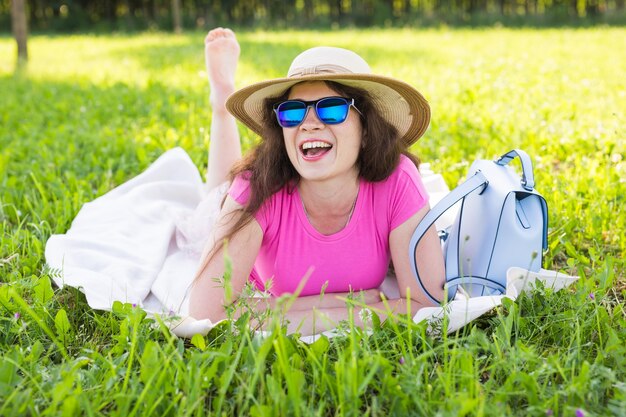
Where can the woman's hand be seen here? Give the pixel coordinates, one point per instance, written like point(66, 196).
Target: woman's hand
point(317, 320)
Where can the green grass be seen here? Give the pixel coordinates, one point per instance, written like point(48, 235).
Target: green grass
point(91, 112)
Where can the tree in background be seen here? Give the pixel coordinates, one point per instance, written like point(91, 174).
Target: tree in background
point(105, 15)
point(18, 23)
point(176, 16)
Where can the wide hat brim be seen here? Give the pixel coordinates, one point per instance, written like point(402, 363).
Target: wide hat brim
point(397, 102)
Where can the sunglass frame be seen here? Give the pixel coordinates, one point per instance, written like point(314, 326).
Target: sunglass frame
point(348, 102)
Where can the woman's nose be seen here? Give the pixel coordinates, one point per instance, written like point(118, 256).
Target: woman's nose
point(311, 121)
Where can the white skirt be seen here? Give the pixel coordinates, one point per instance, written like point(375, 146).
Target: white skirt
point(141, 242)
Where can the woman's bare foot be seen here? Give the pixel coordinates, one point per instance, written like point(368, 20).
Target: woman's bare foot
point(221, 52)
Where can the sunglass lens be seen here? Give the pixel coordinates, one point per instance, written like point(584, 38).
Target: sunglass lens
point(333, 110)
point(291, 113)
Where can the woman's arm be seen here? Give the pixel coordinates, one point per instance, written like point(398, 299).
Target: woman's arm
point(208, 295)
point(317, 320)
point(430, 262)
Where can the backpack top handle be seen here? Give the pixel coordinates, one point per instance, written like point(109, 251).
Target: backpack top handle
point(528, 178)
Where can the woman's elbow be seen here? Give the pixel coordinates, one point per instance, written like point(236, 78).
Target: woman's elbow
point(205, 303)
point(201, 311)
point(432, 287)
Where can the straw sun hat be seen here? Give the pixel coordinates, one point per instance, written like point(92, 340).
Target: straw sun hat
point(397, 102)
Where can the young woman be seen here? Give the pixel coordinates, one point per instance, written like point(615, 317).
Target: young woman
point(327, 200)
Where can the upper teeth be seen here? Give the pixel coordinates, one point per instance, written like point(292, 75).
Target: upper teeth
point(316, 144)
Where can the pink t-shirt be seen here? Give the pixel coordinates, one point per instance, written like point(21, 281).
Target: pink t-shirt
point(357, 257)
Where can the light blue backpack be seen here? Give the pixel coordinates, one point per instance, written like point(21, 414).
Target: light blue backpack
point(502, 222)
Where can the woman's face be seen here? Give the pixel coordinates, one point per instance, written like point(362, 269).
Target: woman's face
point(318, 151)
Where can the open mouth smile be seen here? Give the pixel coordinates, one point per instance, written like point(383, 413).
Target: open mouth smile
point(314, 150)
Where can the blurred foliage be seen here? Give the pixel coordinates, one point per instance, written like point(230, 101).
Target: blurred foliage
point(130, 15)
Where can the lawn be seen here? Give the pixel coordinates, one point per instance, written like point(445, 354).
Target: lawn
point(91, 112)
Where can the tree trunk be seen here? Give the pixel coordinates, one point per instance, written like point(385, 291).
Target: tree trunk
point(146, 11)
point(178, 27)
point(308, 12)
point(111, 10)
point(336, 11)
point(18, 20)
point(155, 11)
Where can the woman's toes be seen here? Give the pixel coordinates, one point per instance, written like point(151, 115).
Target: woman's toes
point(218, 33)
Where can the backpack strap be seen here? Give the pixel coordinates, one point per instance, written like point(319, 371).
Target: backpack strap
point(476, 181)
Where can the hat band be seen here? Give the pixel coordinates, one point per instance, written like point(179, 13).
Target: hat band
point(318, 69)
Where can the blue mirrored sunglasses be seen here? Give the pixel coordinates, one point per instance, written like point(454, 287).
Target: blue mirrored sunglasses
point(330, 110)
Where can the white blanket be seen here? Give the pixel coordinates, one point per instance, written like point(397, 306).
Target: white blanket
point(141, 243)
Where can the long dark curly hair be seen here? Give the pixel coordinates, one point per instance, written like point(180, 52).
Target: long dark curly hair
point(269, 169)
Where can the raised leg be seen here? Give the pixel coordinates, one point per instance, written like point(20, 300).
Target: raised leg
point(221, 51)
